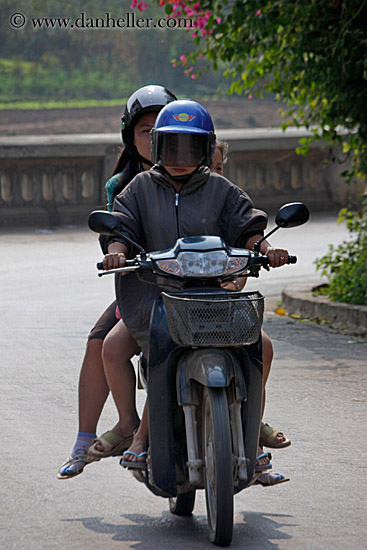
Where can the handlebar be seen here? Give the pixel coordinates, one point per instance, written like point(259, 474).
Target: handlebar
point(291, 260)
point(254, 265)
point(128, 263)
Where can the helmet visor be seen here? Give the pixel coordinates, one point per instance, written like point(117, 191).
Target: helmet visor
point(180, 149)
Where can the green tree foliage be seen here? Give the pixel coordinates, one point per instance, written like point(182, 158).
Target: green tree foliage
point(313, 56)
point(91, 63)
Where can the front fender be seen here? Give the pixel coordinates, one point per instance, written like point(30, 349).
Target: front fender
point(210, 367)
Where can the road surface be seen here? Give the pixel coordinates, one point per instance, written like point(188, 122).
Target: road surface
point(50, 297)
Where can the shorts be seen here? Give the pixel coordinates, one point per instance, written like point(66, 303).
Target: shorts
point(105, 323)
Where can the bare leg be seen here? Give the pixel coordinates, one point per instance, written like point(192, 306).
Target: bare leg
point(93, 387)
point(140, 442)
point(118, 348)
point(267, 360)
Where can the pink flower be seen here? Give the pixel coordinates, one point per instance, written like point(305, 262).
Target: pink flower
point(218, 20)
point(258, 13)
point(193, 76)
point(250, 96)
point(141, 6)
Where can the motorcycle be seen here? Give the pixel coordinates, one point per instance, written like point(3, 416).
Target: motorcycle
point(203, 375)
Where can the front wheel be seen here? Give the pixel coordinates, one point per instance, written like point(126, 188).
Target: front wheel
point(183, 505)
point(218, 470)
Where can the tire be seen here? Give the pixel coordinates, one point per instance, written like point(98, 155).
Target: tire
point(218, 469)
point(183, 505)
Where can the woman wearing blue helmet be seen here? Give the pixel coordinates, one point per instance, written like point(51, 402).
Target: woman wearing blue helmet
point(178, 197)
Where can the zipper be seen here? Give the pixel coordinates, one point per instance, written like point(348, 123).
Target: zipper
point(177, 224)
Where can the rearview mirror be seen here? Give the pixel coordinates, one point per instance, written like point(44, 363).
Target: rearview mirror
point(292, 215)
point(104, 222)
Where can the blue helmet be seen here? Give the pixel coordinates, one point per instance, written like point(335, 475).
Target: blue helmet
point(183, 135)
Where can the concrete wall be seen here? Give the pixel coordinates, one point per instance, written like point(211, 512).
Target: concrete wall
point(58, 180)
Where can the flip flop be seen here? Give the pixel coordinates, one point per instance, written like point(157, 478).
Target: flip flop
point(133, 464)
point(262, 467)
point(83, 459)
point(270, 478)
point(113, 445)
point(269, 438)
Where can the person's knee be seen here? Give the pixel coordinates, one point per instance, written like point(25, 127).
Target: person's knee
point(118, 347)
point(94, 345)
point(110, 350)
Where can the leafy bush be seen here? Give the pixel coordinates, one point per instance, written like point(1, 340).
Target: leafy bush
point(346, 265)
point(312, 56)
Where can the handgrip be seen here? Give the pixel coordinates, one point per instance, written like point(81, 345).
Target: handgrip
point(291, 260)
point(128, 263)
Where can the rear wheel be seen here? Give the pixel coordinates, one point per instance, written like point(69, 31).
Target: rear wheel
point(183, 505)
point(218, 476)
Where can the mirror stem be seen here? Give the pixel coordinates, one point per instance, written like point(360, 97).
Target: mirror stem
point(130, 241)
point(257, 245)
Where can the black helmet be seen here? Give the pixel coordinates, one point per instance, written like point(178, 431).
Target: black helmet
point(148, 98)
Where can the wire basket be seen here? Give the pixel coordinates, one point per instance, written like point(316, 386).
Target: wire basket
point(215, 320)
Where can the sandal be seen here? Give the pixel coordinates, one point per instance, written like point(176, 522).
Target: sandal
point(262, 467)
point(268, 479)
point(269, 438)
point(113, 445)
point(134, 464)
point(79, 462)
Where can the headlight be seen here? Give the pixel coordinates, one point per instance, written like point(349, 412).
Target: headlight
point(207, 264)
point(202, 264)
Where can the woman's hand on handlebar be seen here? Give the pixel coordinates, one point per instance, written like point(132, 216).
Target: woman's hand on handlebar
point(277, 257)
point(114, 260)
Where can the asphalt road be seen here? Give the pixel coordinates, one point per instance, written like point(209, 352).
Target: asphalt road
point(50, 297)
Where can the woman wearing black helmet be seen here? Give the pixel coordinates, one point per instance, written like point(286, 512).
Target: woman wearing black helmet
point(138, 118)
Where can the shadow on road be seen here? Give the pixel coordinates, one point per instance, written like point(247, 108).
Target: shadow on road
point(258, 531)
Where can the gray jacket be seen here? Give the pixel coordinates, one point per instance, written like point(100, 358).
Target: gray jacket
point(154, 215)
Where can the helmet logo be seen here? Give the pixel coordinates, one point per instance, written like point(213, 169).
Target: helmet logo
point(183, 117)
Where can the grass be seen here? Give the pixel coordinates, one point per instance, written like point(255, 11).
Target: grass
point(80, 103)
point(73, 103)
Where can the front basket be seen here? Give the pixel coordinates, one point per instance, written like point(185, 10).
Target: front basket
point(201, 320)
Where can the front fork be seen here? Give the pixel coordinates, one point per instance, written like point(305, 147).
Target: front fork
point(239, 458)
point(211, 368)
